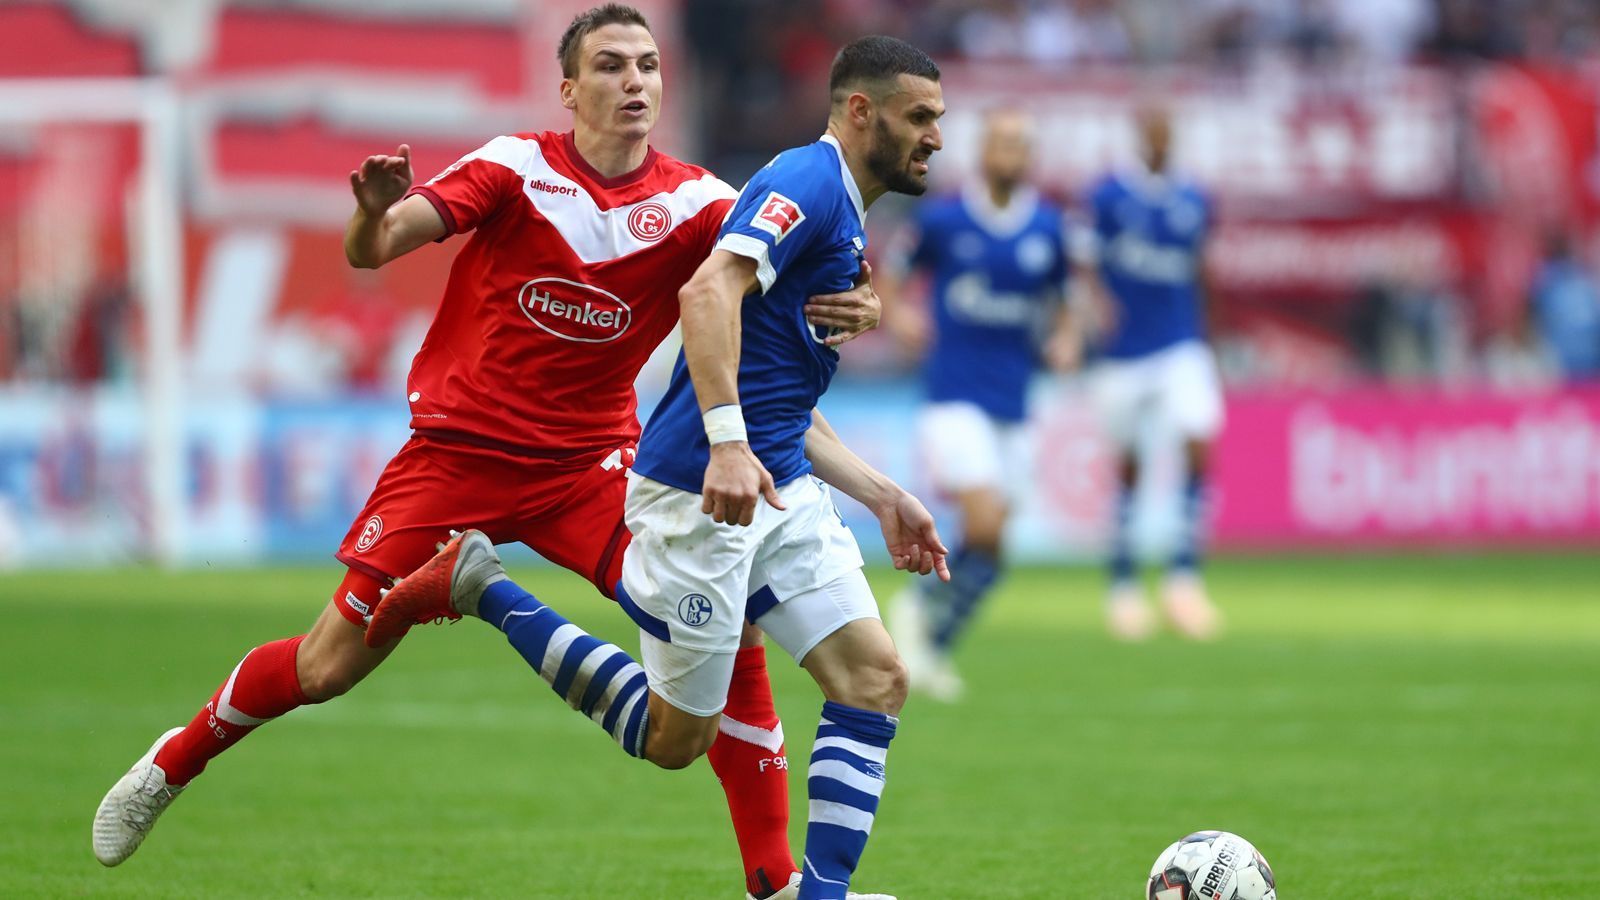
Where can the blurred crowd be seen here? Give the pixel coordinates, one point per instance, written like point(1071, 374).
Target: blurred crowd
point(750, 51)
point(1206, 32)
point(1404, 331)
point(757, 68)
point(760, 62)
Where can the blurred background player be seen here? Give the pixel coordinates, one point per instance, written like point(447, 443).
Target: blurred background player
point(1564, 303)
point(995, 259)
point(1141, 259)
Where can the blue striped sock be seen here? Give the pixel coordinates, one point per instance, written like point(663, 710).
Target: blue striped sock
point(845, 782)
point(1191, 527)
point(593, 677)
point(1121, 562)
point(973, 573)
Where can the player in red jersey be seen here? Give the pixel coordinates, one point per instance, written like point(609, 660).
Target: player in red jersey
point(522, 402)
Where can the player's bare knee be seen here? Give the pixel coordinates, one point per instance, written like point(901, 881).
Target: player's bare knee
point(1128, 469)
point(883, 684)
point(983, 522)
point(985, 535)
point(676, 739)
point(877, 682)
point(896, 684)
point(677, 755)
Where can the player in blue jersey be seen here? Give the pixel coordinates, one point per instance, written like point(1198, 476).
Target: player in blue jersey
point(995, 258)
point(722, 500)
point(1142, 250)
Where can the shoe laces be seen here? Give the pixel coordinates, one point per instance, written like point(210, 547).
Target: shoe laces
point(145, 804)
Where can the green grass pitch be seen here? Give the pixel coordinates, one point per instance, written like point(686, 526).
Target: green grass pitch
point(1405, 728)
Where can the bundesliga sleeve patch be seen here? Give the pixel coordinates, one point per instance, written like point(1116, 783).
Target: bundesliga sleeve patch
point(778, 216)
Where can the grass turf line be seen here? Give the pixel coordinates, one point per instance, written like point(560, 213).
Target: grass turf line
point(1380, 727)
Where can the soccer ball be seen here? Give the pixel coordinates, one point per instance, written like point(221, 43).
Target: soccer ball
point(1211, 865)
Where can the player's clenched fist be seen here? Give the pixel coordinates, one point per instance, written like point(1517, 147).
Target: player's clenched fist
point(735, 482)
point(382, 180)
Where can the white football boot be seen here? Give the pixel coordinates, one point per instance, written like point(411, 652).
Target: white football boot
point(791, 891)
point(131, 807)
point(1189, 609)
point(942, 682)
point(930, 668)
point(908, 628)
point(1128, 616)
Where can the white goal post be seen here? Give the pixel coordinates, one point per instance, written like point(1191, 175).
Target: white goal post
point(155, 241)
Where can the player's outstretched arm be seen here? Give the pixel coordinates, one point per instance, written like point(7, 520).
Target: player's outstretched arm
point(908, 528)
point(709, 311)
point(385, 226)
point(850, 314)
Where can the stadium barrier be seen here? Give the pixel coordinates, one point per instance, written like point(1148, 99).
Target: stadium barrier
point(1382, 468)
point(1369, 468)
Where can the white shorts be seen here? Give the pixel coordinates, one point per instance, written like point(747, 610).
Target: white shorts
point(1176, 388)
point(964, 447)
point(691, 583)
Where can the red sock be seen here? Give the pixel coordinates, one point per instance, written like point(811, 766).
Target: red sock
point(749, 761)
point(263, 686)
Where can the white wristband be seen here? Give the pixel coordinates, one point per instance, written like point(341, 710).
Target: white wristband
point(724, 423)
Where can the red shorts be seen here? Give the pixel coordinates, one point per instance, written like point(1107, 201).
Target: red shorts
point(568, 509)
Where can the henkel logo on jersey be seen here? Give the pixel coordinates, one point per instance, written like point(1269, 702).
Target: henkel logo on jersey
point(574, 311)
point(778, 216)
point(649, 221)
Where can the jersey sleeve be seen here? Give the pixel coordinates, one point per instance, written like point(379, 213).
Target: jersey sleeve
point(784, 210)
point(707, 225)
point(473, 188)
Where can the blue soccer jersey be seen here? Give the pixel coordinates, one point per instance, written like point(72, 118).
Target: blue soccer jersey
point(996, 275)
point(1150, 232)
point(803, 222)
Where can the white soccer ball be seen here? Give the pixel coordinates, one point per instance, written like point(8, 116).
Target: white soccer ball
point(1211, 865)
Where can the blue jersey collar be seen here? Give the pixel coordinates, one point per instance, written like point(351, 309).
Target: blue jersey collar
point(849, 180)
point(1001, 222)
point(1140, 180)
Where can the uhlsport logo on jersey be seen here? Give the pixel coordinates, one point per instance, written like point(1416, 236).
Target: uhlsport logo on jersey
point(560, 190)
point(649, 221)
point(778, 216)
point(694, 610)
point(370, 532)
point(574, 311)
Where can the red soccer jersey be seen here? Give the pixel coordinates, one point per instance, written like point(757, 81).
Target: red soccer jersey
point(568, 283)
